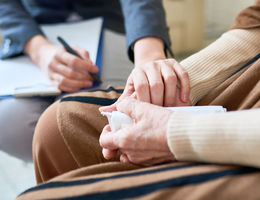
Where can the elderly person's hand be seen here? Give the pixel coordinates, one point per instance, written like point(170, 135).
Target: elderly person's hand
point(145, 141)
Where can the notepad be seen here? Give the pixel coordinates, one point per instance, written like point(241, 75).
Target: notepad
point(118, 120)
point(20, 77)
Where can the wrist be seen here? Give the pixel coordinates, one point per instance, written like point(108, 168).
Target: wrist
point(148, 49)
point(33, 46)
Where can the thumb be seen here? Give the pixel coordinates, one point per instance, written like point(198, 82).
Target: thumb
point(109, 108)
point(128, 91)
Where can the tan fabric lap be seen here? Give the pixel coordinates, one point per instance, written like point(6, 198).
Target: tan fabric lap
point(50, 154)
point(168, 181)
point(241, 91)
point(81, 123)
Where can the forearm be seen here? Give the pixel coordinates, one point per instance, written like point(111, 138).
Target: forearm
point(144, 19)
point(33, 47)
point(214, 64)
point(232, 138)
point(17, 27)
point(148, 49)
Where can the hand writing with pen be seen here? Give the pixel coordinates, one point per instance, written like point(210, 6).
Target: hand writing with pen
point(66, 71)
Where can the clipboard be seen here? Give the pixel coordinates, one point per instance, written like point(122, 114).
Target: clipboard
point(20, 77)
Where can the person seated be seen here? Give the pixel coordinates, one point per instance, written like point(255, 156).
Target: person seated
point(160, 155)
point(126, 27)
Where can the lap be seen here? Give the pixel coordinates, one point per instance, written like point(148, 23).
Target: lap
point(177, 180)
point(80, 123)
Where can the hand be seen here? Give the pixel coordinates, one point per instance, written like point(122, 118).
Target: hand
point(145, 141)
point(68, 72)
point(156, 82)
point(155, 79)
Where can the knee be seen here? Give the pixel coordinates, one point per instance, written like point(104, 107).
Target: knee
point(45, 131)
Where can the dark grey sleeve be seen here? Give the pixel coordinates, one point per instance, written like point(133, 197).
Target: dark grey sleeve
point(17, 27)
point(144, 18)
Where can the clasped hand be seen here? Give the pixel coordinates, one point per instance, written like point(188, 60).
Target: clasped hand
point(162, 83)
point(145, 141)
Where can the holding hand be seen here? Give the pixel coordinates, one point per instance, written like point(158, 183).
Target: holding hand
point(155, 79)
point(157, 82)
point(68, 72)
point(145, 141)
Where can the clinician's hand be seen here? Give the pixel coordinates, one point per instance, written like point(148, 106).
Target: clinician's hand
point(68, 72)
point(155, 79)
point(159, 82)
point(145, 141)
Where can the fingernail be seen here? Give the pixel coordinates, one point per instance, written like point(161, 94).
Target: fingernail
point(185, 98)
point(101, 109)
point(88, 84)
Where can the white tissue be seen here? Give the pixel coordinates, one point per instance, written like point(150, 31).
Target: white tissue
point(118, 120)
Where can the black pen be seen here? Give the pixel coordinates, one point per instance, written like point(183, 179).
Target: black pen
point(71, 51)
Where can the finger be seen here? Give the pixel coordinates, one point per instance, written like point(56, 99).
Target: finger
point(124, 158)
point(170, 84)
point(110, 108)
point(183, 76)
point(108, 139)
point(68, 85)
point(82, 52)
point(156, 161)
point(141, 86)
point(163, 157)
point(133, 95)
point(156, 84)
point(70, 72)
point(129, 88)
point(108, 154)
point(75, 84)
point(149, 157)
point(76, 62)
point(128, 91)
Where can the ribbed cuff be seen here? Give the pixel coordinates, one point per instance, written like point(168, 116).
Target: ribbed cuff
point(231, 137)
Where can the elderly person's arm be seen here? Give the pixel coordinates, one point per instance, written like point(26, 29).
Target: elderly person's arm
point(215, 63)
point(232, 137)
point(159, 135)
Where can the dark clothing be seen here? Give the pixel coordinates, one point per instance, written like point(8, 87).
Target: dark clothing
point(19, 19)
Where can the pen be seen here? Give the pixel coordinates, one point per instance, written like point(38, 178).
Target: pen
point(71, 51)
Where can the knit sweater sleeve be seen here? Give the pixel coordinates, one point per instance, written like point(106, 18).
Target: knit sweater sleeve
point(216, 138)
point(215, 63)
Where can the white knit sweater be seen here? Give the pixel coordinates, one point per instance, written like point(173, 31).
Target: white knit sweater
point(232, 137)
